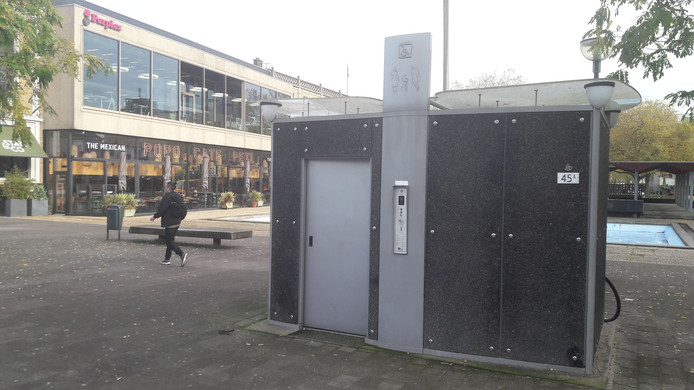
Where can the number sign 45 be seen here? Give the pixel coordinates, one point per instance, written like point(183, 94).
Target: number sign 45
point(567, 178)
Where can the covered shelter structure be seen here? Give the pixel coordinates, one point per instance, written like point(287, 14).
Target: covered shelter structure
point(683, 171)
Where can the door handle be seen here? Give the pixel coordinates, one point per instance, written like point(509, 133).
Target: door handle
point(310, 241)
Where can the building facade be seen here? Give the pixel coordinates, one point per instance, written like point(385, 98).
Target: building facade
point(27, 158)
point(15, 154)
point(169, 108)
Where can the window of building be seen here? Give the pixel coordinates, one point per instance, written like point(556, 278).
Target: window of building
point(214, 99)
point(151, 181)
point(135, 77)
point(165, 87)
point(56, 143)
point(88, 187)
point(115, 144)
point(252, 108)
point(7, 163)
point(152, 84)
point(269, 94)
point(101, 90)
point(97, 146)
point(79, 186)
point(85, 145)
point(191, 93)
point(157, 150)
point(234, 98)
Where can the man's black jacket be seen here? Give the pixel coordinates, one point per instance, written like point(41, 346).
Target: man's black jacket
point(165, 210)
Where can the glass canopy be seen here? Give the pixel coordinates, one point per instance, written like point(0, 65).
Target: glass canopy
point(556, 93)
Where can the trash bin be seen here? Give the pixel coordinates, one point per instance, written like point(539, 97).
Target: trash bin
point(114, 218)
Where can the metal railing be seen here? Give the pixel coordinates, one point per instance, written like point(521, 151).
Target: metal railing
point(625, 189)
point(296, 81)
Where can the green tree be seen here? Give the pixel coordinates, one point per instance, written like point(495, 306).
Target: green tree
point(487, 80)
point(679, 145)
point(662, 30)
point(31, 54)
point(651, 132)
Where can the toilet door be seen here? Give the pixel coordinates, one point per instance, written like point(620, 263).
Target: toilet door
point(336, 283)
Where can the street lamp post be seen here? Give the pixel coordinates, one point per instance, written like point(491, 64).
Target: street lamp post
point(268, 109)
point(268, 112)
point(599, 94)
point(445, 45)
point(593, 51)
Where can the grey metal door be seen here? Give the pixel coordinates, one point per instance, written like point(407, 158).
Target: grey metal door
point(336, 283)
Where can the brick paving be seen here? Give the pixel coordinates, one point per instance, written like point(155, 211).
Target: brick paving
point(77, 311)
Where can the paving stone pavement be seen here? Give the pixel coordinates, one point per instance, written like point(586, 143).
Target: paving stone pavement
point(655, 341)
point(78, 311)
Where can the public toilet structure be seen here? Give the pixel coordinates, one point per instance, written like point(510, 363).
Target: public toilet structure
point(470, 225)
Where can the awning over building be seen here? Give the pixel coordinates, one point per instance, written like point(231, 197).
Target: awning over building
point(683, 171)
point(675, 167)
point(10, 148)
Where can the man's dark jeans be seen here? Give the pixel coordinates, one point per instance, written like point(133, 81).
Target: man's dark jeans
point(170, 235)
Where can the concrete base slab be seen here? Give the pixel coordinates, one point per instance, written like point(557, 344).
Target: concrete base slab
point(266, 327)
point(601, 377)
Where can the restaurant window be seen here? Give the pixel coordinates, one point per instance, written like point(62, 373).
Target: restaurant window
point(240, 156)
point(151, 182)
point(178, 176)
point(252, 108)
point(85, 145)
point(88, 187)
point(165, 87)
point(135, 80)
point(7, 163)
point(265, 173)
point(119, 143)
point(56, 143)
point(236, 180)
point(191, 93)
point(101, 90)
point(214, 99)
point(194, 184)
point(154, 150)
point(113, 172)
point(234, 98)
point(97, 146)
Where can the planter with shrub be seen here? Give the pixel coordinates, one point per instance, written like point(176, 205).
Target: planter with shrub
point(16, 190)
point(38, 204)
point(226, 200)
point(128, 201)
point(256, 198)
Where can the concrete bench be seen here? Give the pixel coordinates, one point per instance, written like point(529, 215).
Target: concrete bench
point(216, 234)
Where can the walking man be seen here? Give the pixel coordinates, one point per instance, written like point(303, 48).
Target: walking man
point(170, 222)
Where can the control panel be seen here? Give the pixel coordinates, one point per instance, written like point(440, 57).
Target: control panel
point(400, 202)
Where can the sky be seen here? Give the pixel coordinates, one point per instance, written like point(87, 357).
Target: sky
point(319, 40)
